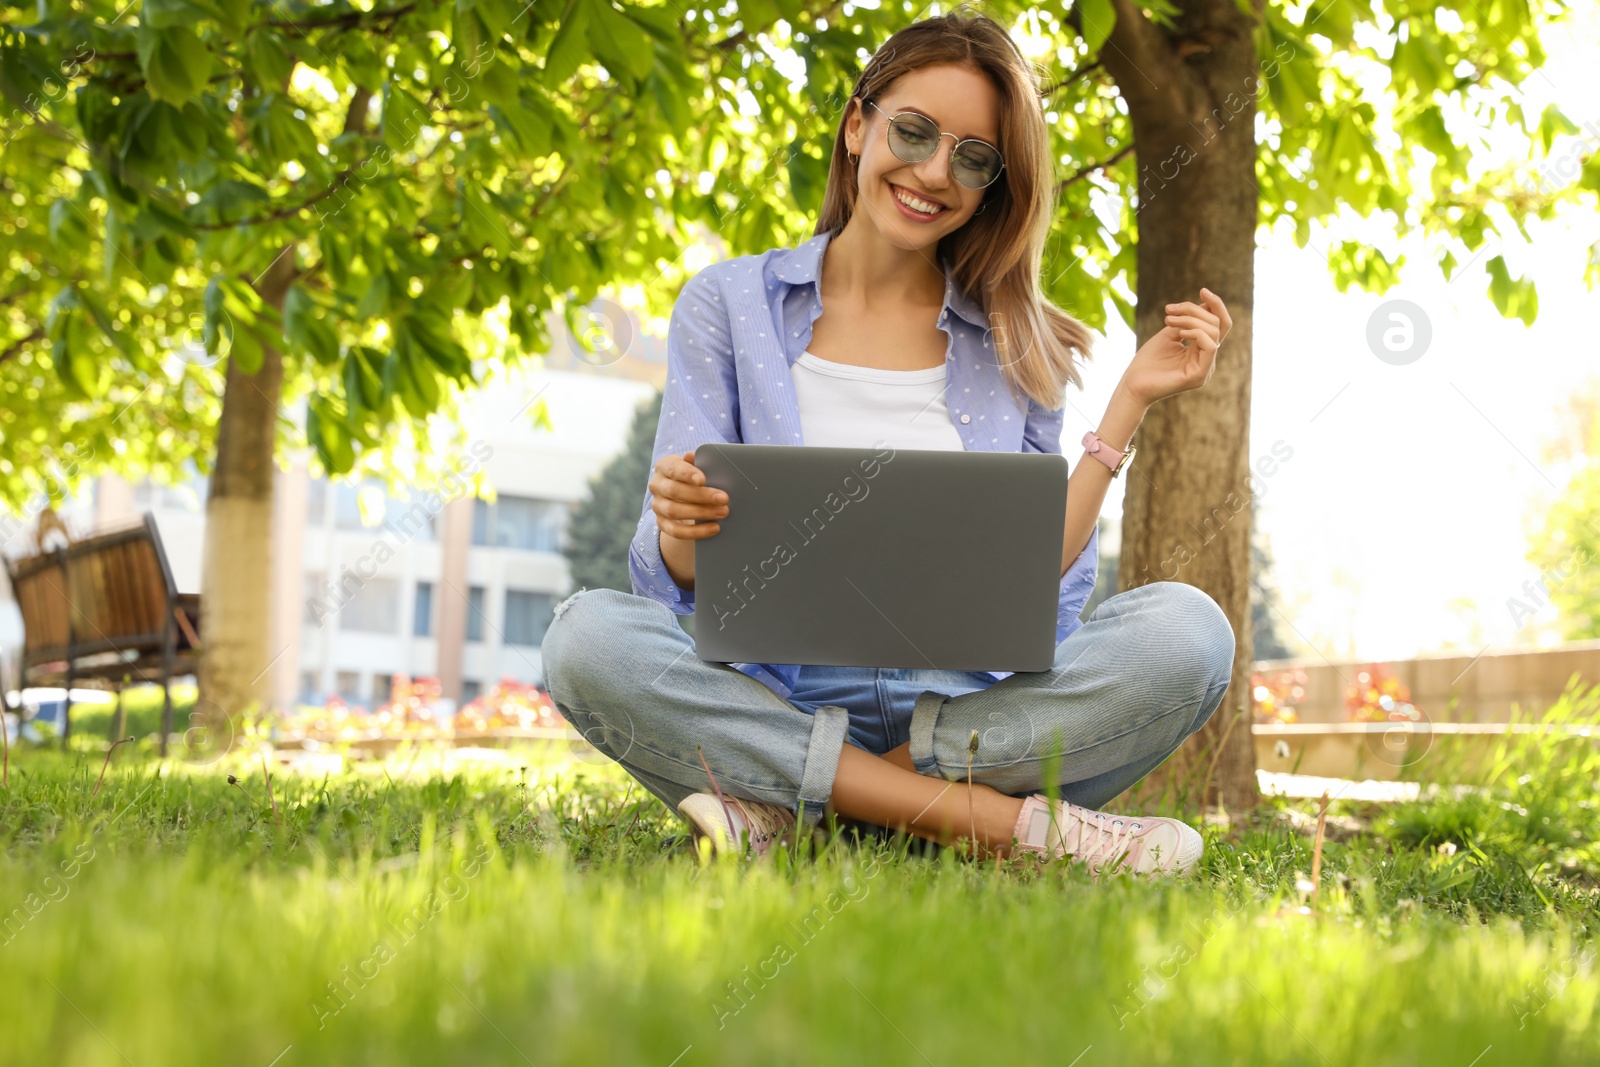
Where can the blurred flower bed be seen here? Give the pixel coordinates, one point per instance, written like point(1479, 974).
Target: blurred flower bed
point(1274, 695)
point(1378, 696)
point(415, 711)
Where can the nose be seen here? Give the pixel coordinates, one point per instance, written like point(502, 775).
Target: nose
point(934, 172)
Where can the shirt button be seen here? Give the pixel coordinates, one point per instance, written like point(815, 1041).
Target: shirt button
point(966, 418)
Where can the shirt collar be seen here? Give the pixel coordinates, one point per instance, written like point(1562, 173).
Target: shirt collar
point(803, 263)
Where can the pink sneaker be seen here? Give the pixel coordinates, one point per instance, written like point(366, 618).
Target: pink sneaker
point(731, 822)
point(1144, 845)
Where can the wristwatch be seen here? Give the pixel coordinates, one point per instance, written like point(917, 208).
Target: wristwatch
point(1103, 452)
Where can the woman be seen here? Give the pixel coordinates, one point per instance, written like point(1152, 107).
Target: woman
point(942, 156)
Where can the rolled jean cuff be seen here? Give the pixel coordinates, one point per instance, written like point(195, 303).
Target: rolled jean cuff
point(828, 736)
point(924, 715)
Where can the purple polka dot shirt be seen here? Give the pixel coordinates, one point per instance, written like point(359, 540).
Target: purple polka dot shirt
point(737, 328)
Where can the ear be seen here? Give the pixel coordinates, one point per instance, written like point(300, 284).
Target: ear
point(856, 126)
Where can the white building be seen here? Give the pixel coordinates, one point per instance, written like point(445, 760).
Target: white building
point(465, 597)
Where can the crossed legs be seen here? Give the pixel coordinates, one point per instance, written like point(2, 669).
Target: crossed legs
point(1126, 688)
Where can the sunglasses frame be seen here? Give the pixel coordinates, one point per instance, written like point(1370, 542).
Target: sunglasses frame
point(959, 142)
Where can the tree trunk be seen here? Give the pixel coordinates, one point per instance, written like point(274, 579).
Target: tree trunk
point(236, 565)
point(1187, 509)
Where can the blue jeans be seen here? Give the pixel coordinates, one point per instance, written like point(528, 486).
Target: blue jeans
point(1126, 688)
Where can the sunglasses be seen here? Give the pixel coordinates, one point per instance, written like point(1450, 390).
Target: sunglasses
point(913, 138)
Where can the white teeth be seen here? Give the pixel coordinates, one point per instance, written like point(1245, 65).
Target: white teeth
point(915, 204)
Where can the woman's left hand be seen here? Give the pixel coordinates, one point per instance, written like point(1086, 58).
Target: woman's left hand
point(1183, 354)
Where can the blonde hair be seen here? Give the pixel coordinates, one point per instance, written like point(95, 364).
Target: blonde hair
point(995, 257)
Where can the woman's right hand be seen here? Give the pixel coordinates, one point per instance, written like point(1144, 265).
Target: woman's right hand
point(679, 493)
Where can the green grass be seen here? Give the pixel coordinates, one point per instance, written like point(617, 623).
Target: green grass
point(549, 914)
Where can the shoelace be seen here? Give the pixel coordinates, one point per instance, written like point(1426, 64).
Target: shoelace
point(727, 812)
point(764, 825)
point(764, 822)
point(1108, 842)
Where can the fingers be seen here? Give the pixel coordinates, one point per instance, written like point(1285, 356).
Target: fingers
point(1190, 308)
point(1214, 302)
point(685, 506)
point(1185, 324)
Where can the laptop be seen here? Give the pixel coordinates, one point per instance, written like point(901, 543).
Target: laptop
point(881, 557)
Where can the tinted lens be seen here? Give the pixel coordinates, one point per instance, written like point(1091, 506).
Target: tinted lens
point(975, 165)
point(912, 138)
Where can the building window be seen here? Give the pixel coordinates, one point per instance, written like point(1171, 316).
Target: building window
point(411, 520)
point(422, 611)
point(381, 688)
point(475, 606)
point(520, 522)
point(480, 522)
point(317, 502)
point(347, 500)
point(528, 616)
point(374, 608)
point(470, 688)
point(348, 684)
point(317, 603)
point(310, 688)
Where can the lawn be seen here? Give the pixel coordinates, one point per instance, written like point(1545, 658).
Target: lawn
point(530, 910)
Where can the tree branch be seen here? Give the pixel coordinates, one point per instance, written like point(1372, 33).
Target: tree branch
point(1125, 150)
point(733, 41)
point(283, 213)
point(1069, 79)
point(38, 332)
point(345, 21)
point(355, 118)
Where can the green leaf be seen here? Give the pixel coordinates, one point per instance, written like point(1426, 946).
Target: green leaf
point(325, 433)
point(668, 100)
point(618, 40)
point(376, 300)
point(268, 59)
point(67, 230)
point(1098, 18)
point(97, 309)
point(232, 14)
point(404, 116)
point(569, 48)
point(175, 62)
point(499, 79)
point(1515, 299)
point(306, 329)
point(246, 350)
point(336, 254)
point(499, 16)
point(526, 123)
point(423, 378)
point(1552, 123)
point(168, 14)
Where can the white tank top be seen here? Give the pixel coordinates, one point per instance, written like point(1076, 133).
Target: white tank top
point(853, 407)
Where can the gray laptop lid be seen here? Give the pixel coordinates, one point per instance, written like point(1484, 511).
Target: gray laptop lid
point(881, 557)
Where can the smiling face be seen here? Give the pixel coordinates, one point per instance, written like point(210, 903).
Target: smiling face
point(960, 101)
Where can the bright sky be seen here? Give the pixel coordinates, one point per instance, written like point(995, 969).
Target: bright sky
point(1401, 523)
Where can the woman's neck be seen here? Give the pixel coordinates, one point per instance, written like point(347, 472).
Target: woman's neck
point(864, 270)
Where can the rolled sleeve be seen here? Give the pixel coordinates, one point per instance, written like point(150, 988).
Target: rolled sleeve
point(700, 405)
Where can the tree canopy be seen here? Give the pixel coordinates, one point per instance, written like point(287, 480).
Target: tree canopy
point(433, 167)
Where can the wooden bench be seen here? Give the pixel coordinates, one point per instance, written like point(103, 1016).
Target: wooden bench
point(105, 610)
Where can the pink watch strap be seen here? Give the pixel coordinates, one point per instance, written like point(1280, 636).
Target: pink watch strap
point(1097, 448)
